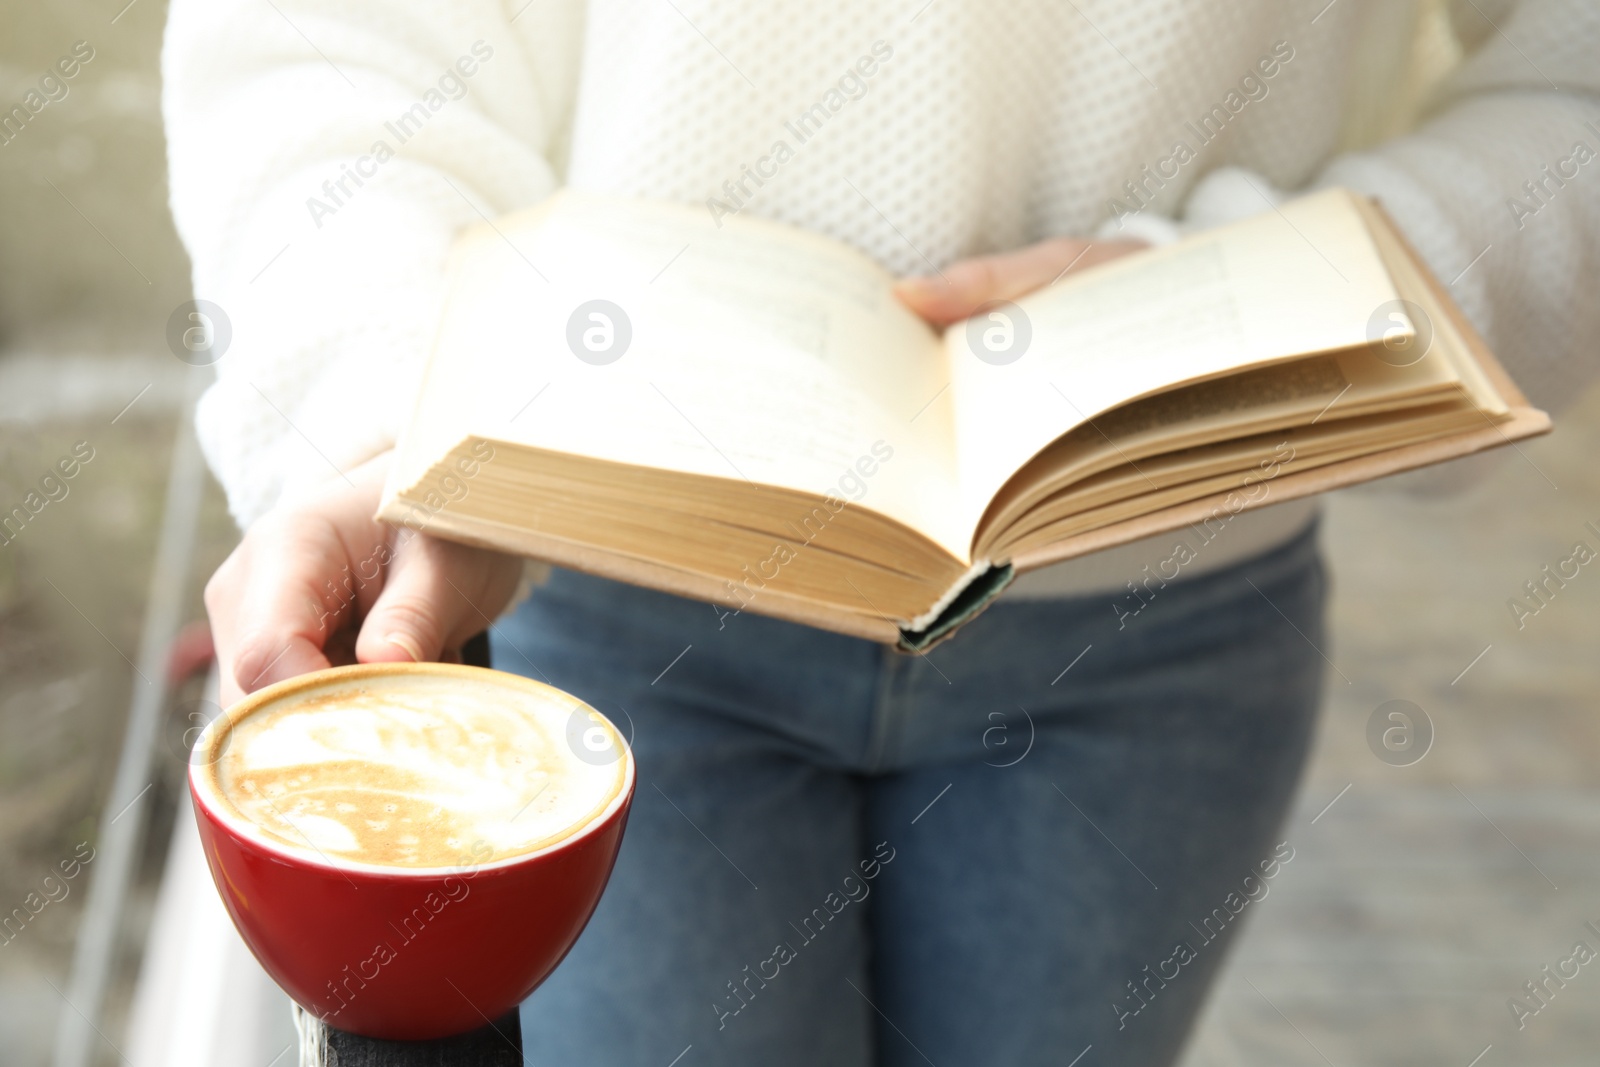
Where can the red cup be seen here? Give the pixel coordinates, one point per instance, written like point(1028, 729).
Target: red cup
point(399, 952)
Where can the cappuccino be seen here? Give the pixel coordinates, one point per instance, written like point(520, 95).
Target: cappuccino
point(415, 767)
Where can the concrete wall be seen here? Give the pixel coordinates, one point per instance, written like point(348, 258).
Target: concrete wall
point(88, 257)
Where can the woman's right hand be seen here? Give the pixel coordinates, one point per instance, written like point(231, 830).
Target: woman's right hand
point(319, 582)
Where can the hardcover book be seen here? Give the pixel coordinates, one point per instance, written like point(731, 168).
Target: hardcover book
point(742, 412)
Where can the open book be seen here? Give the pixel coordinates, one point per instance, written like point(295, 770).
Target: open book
point(745, 414)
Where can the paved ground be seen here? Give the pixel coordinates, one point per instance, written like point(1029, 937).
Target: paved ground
point(1416, 905)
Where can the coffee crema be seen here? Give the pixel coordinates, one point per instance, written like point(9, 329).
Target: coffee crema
point(414, 768)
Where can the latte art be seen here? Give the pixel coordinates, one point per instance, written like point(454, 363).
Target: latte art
point(419, 770)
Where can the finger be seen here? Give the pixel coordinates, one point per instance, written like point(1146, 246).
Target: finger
point(266, 659)
point(279, 605)
point(275, 616)
point(963, 287)
point(436, 595)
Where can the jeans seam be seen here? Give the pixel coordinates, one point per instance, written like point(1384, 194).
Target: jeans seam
point(887, 705)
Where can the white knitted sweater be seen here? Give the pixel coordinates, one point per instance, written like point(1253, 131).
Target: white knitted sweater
point(982, 126)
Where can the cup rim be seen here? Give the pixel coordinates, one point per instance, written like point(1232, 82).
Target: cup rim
point(208, 797)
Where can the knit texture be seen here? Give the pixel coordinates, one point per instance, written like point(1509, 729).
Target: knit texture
point(980, 127)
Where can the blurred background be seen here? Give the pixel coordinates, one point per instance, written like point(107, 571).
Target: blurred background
point(1427, 886)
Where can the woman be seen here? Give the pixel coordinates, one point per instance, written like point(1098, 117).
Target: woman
point(1011, 850)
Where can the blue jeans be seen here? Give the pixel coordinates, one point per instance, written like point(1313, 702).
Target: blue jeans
point(844, 855)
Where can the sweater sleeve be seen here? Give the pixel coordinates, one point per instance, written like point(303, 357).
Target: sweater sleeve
point(1499, 189)
point(322, 157)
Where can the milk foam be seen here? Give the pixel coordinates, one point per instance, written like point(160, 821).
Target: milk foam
point(417, 770)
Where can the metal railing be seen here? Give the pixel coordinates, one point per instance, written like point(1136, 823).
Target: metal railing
point(121, 828)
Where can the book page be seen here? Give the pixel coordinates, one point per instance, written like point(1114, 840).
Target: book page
point(1411, 280)
point(1306, 278)
point(641, 332)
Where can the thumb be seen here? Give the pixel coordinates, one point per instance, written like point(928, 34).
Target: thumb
point(423, 611)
